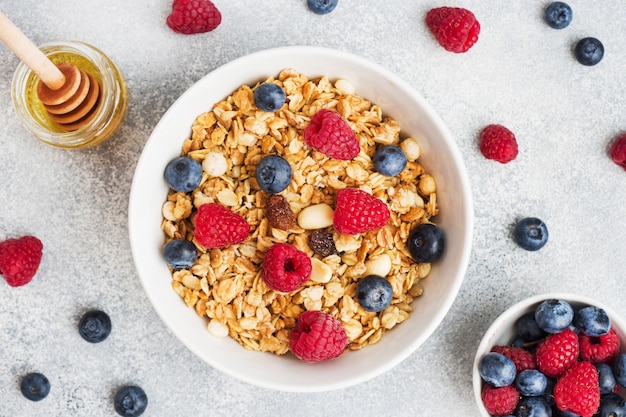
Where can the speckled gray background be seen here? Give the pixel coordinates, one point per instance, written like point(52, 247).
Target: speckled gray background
point(521, 73)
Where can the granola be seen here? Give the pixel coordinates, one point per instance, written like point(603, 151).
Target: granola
point(224, 285)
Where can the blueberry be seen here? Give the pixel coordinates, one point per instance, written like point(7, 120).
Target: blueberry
point(558, 15)
point(611, 405)
point(619, 369)
point(130, 401)
point(606, 379)
point(565, 413)
point(374, 293)
point(180, 253)
point(589, 51)
point(389, 160)
point(269, 97)
point(321, 6)
point(496, 369)
point(518, 342)
point(531, 382)
point(183, 174)
point(530, 233)
point(35, 386)
point(273, 174)
point(527, 328)
point(94, 326)
point(592, 321)
point(533, 407)
point(548, 394)
point(426, 242)
point(554, 316)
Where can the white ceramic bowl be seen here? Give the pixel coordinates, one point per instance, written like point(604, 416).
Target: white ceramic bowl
point(440, 156)
point(502, 331)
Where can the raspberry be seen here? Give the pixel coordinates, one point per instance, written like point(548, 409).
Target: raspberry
point(193, 16)
point(217, 226)
point(577, 391)
point(498, 143)
point(330, 134)
point(322, 243)
point(500, 401)
point(317, 336)
point(598, 349)
point(522, 358)
point(285, 268)
point(279, 213)
point(618, 151)
point(20, 259)
point(358, 212)
point(455, 28)
point(557, 352)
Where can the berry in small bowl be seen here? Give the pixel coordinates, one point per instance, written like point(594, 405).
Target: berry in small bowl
point(566, 351)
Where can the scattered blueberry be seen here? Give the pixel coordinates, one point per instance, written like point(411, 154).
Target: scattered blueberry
point(130, 401)
point(35, 386)
point(94, 326)
point(589, 51)
point(554, 316)
point(426, 242)
point(183, 174)
point(619, 369)
point(611, 405)
point(322, 6)
point(592, 321)
point(273, 174)
point(531, 382)
point(533, 407)
point(389, 160)
point(269, 97)
point(530, 233)
point(558, 15)
point(606, 379)
point(180, 253)
point(497, 370)
point(528, 329)
point(374, 293)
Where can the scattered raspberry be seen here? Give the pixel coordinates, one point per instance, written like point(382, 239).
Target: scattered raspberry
point(330, 134)
point(285, 268)
point(618, 151)
point(193, 16)
point(599, 349)
point(577, 391)
point(322, 243)
point(218, 226)
point(522, 358)
point(500, 401)
point(557, 352)
point(279, 213)
point(498, 143)
point(317, 336)
point(358, 212)
point(455, 28)
point(19, 259)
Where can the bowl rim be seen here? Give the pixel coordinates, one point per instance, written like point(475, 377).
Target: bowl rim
point(467, 215)
point(513, 312)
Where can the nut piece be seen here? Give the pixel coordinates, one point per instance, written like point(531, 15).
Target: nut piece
point(317, 216)
point(380, 265)
point(279, 213)
point(411, 148)
point(215, 164)
point(320, 273)
point(322, 243)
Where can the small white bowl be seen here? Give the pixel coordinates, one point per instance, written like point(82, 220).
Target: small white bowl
point(503, 330)
point(440, 156)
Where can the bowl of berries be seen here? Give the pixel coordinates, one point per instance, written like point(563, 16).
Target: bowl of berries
point(553, 354)
point(301, 219)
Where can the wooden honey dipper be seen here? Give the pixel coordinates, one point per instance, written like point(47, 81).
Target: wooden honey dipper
point(70, 96)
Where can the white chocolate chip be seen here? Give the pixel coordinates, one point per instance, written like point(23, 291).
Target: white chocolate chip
point(317, 216)
point(344, 86)
point(217, 328)
point(320, 272)
point(411, 148)
point(215, 164)
point(380, 265)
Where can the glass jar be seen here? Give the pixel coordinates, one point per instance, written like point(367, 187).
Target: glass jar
point(109, 116)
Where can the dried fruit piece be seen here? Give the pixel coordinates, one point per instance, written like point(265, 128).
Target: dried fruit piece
point(279, 213)
point(322, 243)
